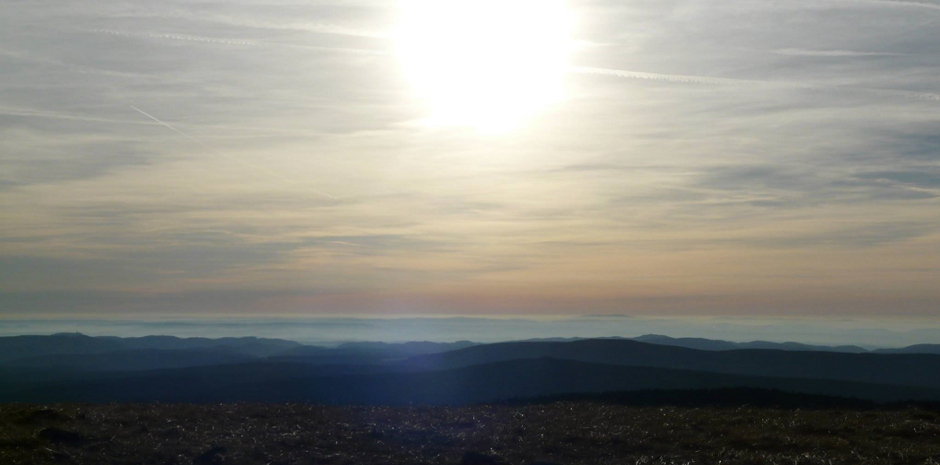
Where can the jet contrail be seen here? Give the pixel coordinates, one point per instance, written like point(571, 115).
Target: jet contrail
point(30, 113)
point(900, 3)
point(249, 43)
point(210, 40)
point(802, 52)
point(688, 79)
point(218, 152)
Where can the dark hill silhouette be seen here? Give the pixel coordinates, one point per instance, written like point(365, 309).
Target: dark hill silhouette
point(74, 351)
point(405, 348)
point(20, 346)
point(17, 347)
point(132, 360)
point(253, 346)
point(914, 349)
point(901, 369)
point(366, 353)
point(712, 344)
point(78, 367)
point(269, 382)
point(43, 350)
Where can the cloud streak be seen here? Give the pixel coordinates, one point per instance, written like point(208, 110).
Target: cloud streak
point(292, 186)
point(898, 4)
point(721, 81)
point(234, 42)
point(831, 53)
point(781, 159)
point(208, 40)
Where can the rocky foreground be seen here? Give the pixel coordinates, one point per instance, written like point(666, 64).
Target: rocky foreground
point(559, 433)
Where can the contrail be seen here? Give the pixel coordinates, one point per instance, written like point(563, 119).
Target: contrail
point(210, 40)
point(832, 53)
point(30, 113)
point(239, 42)
point(218, 152)
point(689, 79)
point(34, 113)
point(900, 3)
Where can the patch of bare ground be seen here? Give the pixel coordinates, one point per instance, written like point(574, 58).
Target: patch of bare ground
point(558, 433)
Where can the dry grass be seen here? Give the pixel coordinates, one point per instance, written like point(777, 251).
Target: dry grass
point(564, 433)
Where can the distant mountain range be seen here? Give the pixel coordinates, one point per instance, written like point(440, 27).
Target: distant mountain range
point(18, 347)
point(914, 349)
point(79, 351)
point(901, 369)
point(74, 367)
point(710, 344)
point(719, 345)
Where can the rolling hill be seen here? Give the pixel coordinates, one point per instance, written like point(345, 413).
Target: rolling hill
point(901, 369)
point(74, 367)
point(492, 382)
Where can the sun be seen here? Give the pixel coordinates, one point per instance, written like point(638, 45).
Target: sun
point(486, 64)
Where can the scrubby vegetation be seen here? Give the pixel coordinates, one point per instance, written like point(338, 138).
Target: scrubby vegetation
point(562, 432)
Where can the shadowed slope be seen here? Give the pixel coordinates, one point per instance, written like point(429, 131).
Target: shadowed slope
point(269, 382)
point(902, 369)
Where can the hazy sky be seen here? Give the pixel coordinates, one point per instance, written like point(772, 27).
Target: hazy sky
point(734, 157)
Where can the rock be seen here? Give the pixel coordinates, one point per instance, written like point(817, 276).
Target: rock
point(211, 456)
point(58, 435)
point(476, 458)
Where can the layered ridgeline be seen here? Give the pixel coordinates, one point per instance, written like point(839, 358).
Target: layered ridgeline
point(74, 367)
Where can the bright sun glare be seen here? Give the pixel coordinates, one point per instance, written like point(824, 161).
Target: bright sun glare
point(486, 64)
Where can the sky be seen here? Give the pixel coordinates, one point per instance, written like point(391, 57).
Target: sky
point(667, 158)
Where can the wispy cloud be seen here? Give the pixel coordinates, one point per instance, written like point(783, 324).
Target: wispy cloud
point(236, 42)
point(292, 185)
point(290, 24)
point(831, 53)
point(722, 81)
point(209, 40)
point(679, 78)
point(271, 164)
point(29, 113)
point(898, 4)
